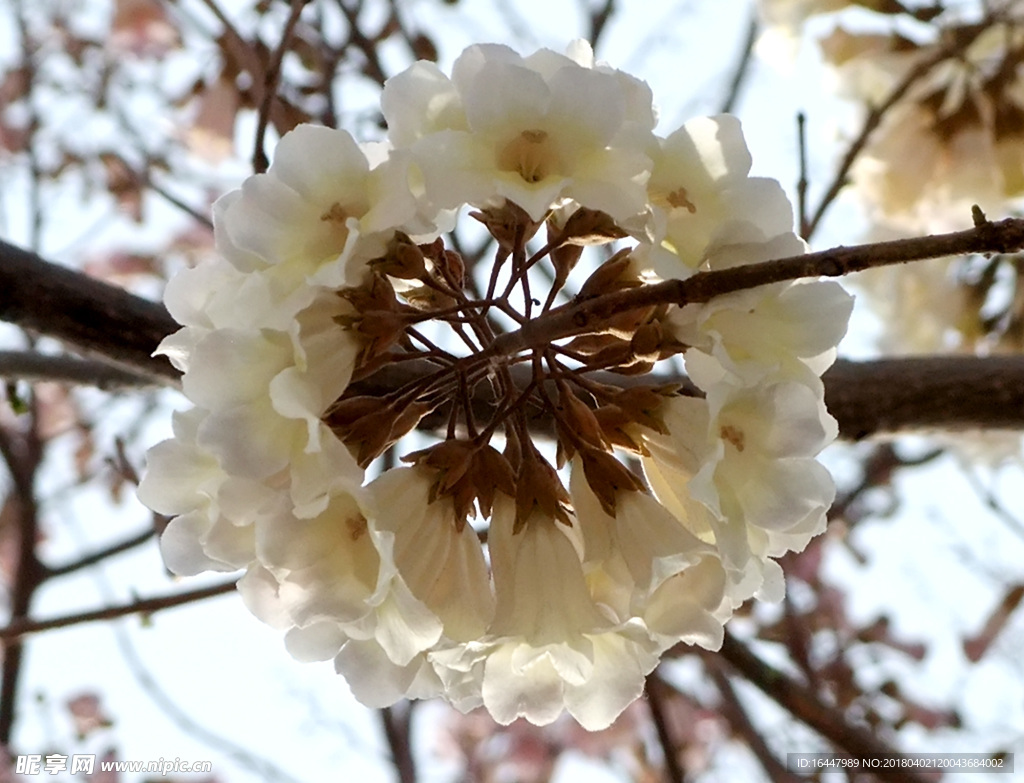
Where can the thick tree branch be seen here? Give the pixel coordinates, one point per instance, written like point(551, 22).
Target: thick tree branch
point(867, 398)
point(941, 392)
point(949, 392)
point(86, 313)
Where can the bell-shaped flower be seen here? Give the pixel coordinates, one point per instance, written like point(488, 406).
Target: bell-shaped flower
point(532, 132)
point(211, 530)
point(651, 541)
point(333, 578)
point(644, 563)
point(542, 656)
point(702, 197)
point(229, 374)
point(744, 447)
point(767, 493)
point(318, 213)
point(438, 557)
point(691, 607)
point(377, 681)
point(215, 294)
point(266, 390)
point(781, 331)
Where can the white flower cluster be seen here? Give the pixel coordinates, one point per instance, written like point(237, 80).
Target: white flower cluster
point(954, 134)
point(577, 590)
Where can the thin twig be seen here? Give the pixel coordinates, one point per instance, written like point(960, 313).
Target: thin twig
point(270, 77)
point(735, 713)
point(100, 555)
point(198, 216)
point(657, 691)
point(590, 315)
point(29, 49)
point(806, 706)
point(988, 497)
point(802, 183)
point(22, 452)
point(373, 68)
point(742, 68)
point(599, 21)
point(19, 628)
point(32, 366)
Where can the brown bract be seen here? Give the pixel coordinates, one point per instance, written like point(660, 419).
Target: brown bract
point(440, 287)
point(467, 472)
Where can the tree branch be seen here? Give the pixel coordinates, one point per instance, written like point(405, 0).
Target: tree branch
point(20, 628)
point(957, 392)
point(734, 711)
point(942, 392)
point(32, 367)
point(657, 692)
point(742, 67)
point(867, 398)
point(22, 452)
point(100, 555)
point(581, 317)
point(805, 705)
point(87, 313)
point(397, 724)
point(270, 77)
point(598, 19)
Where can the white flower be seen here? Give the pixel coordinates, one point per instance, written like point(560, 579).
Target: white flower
point(442, 564)
point(757, 476)
point(703, 197)
point(691, 607)
point(266, 390)
point(377, 681)
point(565, 600)
point(534, 131)
point(211, 529)
point(651, 541)
point(540, 655)
point(913, 174)
point(783, 330)
point(318, 214)
point(229, 373)
point(332, 578)
point(645, 563)
point(955, 137)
